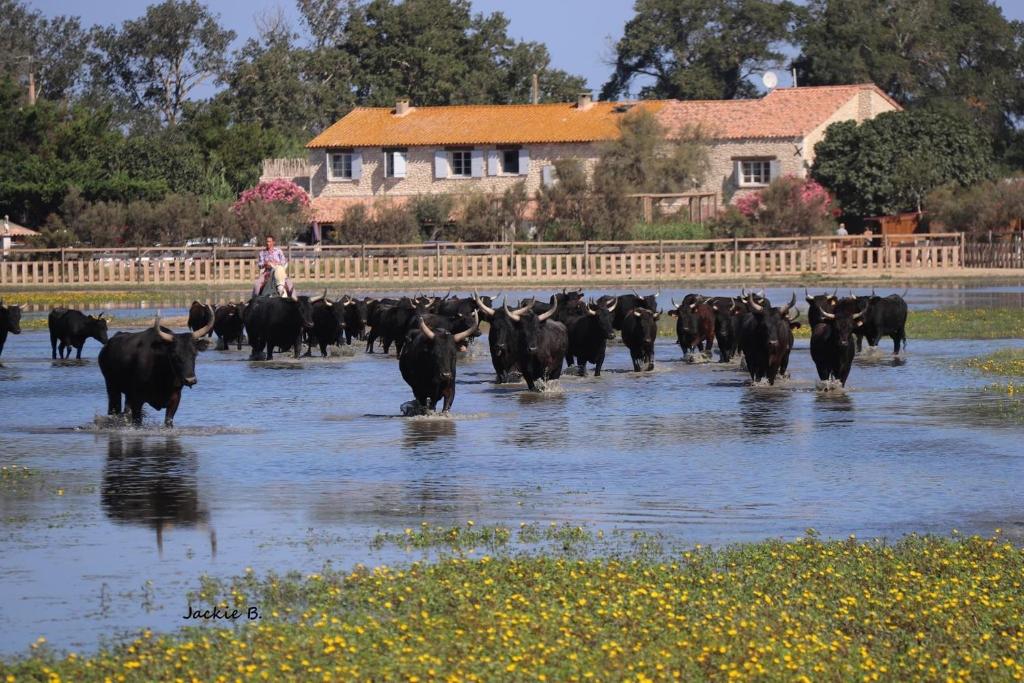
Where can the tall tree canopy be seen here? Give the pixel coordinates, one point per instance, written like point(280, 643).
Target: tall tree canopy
point(700, 49)
point(52, 50)
point(935, 53)
point(156, 61)
point(433, 51)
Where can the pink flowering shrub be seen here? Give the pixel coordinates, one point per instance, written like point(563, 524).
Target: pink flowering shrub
point(279, 190)
point(789, 206)
point(278, 207)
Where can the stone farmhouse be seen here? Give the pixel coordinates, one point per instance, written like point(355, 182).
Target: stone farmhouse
point(401, 152)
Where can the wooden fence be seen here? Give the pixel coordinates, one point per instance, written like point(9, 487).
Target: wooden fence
point(523, 262)
point(995, 255)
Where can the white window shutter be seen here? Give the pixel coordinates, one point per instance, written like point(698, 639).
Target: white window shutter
point(547, 175)
point(774, 169)
point(476, 163)
point(440, 164)
point(398, 164)
point(737, 172)
point(357, 165)
point(524, 161)
point(493, 168)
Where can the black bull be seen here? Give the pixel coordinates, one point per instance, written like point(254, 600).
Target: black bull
point(10, 321)
point(427, 364)
point(277, 322)
point(541, 344)
point(228, 324)
point(149, 367)
point(832, 344)
point(766, 339)
point(70, 329)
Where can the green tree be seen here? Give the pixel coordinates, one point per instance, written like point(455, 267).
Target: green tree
point(962, 56)
point(54, 49)
point(155, 62)
point(699, 49)
point(643, 160)
point(434, 51)
point(890, 163)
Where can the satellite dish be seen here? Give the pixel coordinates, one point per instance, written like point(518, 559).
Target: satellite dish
point(769, 79)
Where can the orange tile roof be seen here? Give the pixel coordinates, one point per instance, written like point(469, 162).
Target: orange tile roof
point(491, 124)
point(782, 113)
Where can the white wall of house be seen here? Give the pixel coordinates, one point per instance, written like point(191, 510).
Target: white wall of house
point(866, 105)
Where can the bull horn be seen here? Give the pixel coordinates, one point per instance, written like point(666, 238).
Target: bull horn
point(638, 312)
point(904, 294)
point(163, 335)
point(857, 315)
point(523, 309)
point(750, 302)
point(205, 329)
point(796, 314)
point(872, 291)
point(636, 294)
point(615, 302)
point(810, 299)
point(674, 304)
point(425, 329)
point(102, 313)
point(510, 313)
point(693, 306)
point(792, 302)
point(481, 305)
point(462, 336)
point(590, 309)
point(826, 315)
point(657, 294)
point(743, 292)
point(548, 313)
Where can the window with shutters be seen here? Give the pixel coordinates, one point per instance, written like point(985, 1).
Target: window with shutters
point(394, 163)
point(339, 165)
point(755, 172)
point(461, 163)
point(510, 161)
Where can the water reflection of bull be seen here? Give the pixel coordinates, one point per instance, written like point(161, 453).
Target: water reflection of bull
point(152, 483)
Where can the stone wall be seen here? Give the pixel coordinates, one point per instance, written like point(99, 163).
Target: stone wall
point(420, 178)
point(723, 155)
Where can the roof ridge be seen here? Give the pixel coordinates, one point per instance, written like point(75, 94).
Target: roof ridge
point(516, 104)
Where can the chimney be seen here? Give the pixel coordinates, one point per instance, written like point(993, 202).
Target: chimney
point(535, 89)
point(402, 107)
point(585, 101)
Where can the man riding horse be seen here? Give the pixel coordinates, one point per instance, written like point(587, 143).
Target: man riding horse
point(273, 274)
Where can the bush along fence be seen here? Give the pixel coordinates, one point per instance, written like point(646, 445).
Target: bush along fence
point(511, 261)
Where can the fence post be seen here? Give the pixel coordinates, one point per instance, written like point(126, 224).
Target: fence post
point(63, 262)
point(735, 254)
point(661, 258)
point(962, 247)
point(512, 258)
point(586, 258)
point(138, 264)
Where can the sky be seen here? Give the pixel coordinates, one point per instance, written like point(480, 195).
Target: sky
point(580, 34)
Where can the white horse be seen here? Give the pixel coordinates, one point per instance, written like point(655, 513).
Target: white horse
point(276, 281)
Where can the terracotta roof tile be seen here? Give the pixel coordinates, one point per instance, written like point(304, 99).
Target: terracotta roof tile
point(477, 124)
point(782, 113)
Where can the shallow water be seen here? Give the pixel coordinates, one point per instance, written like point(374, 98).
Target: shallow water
point(293, 463)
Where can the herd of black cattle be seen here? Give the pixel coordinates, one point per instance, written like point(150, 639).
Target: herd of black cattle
point(534, 339)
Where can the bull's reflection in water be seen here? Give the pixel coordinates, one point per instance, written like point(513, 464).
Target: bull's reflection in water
point(424, 431)
point(152, 482)
point(765, 411)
